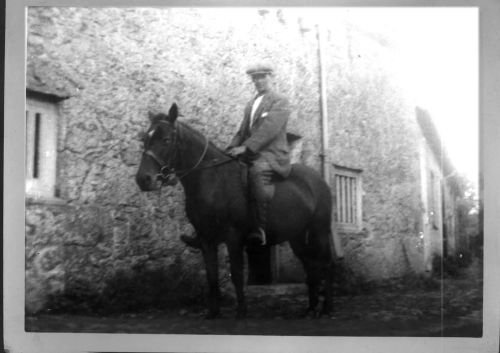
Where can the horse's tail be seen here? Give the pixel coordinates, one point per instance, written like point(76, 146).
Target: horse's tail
point(336, 243)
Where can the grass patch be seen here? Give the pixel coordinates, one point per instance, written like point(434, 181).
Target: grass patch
point(451, 266)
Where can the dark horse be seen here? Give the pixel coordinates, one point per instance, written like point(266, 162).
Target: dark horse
point(217, 206)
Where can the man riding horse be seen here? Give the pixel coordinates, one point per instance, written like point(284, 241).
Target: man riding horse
point(261, 142)
point(216, 200)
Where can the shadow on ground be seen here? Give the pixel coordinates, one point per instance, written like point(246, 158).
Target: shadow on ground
point(451, 308)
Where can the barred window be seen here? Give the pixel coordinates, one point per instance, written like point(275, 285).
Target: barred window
point(348, 193)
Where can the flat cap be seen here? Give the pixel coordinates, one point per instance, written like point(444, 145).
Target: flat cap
point(259, 69)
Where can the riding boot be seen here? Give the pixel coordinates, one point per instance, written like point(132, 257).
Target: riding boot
point(262, 191)
point(191, 241)
point(257, 236)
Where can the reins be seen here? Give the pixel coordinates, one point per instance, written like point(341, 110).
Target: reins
point(168, 173)
point(190, 170)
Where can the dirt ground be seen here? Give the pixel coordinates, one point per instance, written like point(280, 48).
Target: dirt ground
point(452, 309)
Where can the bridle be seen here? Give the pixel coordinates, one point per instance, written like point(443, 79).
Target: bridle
point(168, 173)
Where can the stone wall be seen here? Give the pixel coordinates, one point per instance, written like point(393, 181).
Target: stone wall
point(121, 63)
point(373, 129)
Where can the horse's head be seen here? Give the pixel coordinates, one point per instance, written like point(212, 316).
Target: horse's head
point(160, 149)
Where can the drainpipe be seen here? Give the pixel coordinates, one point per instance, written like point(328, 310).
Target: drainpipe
point(324, 111)
point(335, 243)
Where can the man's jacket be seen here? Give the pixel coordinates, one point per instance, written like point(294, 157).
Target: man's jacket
point(266, 137)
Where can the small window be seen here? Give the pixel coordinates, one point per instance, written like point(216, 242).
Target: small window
point(41, 148)
point(348, 193)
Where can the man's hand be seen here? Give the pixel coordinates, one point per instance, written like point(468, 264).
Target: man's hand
point(237, 151)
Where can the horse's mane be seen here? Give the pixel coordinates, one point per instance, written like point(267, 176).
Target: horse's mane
point(185, 128)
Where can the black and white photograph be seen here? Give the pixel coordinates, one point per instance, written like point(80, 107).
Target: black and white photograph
point(275, 175)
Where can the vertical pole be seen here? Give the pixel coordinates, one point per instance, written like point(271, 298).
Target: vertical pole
point(324, 109)
point(335, 243)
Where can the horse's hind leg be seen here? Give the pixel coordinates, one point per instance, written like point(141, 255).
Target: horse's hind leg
point(301, 250)
point(313, 283)
point(322, 244)
point(328, 300)
point(318, 263)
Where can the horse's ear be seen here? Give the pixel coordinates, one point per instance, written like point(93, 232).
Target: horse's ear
point(173, 113)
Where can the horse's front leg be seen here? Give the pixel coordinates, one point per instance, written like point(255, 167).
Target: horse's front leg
point(235, 244)
point(209, 251)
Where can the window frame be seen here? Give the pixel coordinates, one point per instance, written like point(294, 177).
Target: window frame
point(42, 120)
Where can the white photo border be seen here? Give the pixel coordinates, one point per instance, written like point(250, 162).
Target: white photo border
point(17, 340)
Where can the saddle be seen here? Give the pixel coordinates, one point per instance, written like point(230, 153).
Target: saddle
point(276, 178)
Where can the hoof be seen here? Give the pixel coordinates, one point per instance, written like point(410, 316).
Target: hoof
point(256, 238)
point(313, 314)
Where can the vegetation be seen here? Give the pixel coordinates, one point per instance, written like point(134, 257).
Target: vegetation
point(129, 291)
point(347, 282)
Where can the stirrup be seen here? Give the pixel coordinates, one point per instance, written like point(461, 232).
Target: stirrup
point(257, 235)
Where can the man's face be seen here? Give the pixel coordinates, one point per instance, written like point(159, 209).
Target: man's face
point(262, 82)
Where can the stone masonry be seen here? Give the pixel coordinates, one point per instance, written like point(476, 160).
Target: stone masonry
point(120, 63)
